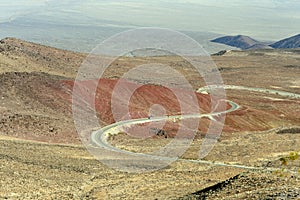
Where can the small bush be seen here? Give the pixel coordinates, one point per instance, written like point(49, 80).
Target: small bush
point(285, 161)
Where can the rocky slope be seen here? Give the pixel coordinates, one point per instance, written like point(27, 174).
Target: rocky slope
point(288, 43)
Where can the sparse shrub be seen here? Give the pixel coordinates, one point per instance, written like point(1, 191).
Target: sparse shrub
point(294, 156)
point(285, 161)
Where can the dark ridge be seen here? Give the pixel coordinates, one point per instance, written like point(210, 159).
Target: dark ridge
point(204, 193)
point(220, 53)
point(292, 130)
point(292, 66)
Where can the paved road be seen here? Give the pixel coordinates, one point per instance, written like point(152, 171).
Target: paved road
point(101, 136)
point(263, 90)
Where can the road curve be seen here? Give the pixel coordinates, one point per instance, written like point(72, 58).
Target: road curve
point(101, 136)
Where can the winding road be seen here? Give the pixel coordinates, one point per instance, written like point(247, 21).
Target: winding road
point(100, 137)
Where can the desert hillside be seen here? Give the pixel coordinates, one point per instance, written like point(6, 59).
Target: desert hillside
point(36, 87)
point(42, 152)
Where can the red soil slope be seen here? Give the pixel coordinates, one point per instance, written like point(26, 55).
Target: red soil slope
point(39, 106)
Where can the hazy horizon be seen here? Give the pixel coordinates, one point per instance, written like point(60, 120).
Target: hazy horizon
point(266, 19)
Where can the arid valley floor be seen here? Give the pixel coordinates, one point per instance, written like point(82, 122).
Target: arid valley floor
point(42, 156)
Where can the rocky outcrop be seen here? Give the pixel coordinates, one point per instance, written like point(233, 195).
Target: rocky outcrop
point(158, 132)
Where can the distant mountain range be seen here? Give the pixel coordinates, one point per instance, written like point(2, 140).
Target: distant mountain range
point(240, 41)
point(246, 43)
point(292, 42)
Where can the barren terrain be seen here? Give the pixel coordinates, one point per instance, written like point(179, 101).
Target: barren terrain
point(42, 156)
